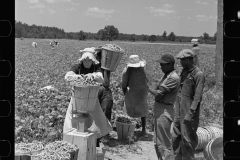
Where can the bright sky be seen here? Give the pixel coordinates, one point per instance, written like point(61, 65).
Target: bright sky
point(183, 17)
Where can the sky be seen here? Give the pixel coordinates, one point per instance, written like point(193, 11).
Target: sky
point(183, 17)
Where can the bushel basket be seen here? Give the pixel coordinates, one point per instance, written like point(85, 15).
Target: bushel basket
point(124, 130)
point(110, 59)
point(84, 98)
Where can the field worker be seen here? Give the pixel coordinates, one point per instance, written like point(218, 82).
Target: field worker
point(88, 66)
point(52, 44)
point(134, 86)
point(34, 44)
point(187, 107)
point(56, 43)
point(165, 92)
point(105, 94)
point(196, 52)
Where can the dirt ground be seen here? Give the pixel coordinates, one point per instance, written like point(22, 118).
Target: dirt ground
point(139, 149)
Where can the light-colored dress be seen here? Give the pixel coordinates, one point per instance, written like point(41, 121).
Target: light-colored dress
point(100, 123)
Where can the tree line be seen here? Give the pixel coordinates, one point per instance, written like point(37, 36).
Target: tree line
point(109, 32)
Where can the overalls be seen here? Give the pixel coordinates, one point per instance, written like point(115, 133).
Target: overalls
point(184, 134)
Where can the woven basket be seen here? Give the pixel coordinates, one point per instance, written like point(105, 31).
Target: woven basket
point(124, 130)
point(110, 59)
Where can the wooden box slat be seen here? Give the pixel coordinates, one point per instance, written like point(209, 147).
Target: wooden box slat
point(86, 143)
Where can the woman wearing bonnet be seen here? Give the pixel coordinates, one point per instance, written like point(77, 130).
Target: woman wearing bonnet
point(88, 68)
point(135, 89)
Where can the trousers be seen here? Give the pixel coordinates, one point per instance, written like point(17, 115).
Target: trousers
point(184, 136)
point(163, 118)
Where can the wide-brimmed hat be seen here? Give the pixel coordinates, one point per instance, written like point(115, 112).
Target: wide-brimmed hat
point(89, 55)
point(91, 50)
point(135, 61)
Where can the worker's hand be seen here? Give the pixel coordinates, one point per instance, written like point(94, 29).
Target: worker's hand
point(89, 77)
point(79, 77)
point(155, 85)
point(188, 117)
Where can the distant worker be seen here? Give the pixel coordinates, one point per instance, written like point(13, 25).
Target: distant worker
point(34, 44)
point(196, 52)
point(53, 43)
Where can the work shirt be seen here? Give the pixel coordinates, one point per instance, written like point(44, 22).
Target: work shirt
point(167, 88)
point(191, 87)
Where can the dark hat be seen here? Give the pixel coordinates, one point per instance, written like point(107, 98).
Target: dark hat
point(195, 45)
point(185, 53)
point(166, 58)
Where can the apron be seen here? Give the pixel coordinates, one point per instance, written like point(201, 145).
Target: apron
point(99, 125)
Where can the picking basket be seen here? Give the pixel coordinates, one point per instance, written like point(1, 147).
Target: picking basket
point(214, 149)
point(124, 130)
point(110, 59)
point(84, 98)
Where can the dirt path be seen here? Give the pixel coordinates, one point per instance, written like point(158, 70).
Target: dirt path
point(141, 149)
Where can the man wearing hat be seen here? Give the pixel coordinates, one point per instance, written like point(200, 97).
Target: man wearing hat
point(165, 92)
point(187, 107)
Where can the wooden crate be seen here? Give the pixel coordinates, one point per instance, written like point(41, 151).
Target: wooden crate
point(85, 142)
point(74, 155)
point(100, 153)
point(81, 123)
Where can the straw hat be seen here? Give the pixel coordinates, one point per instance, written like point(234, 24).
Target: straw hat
point(134, 61)
point(91, 50)
point(88, 53)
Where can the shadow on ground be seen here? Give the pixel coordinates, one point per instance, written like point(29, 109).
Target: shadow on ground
point(112, 139)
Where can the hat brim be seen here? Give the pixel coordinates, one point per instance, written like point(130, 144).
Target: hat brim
point(90, 56)
point(161, 61)
point(135, 65)
point(184, 57)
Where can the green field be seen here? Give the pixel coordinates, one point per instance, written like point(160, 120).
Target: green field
point(40, 116)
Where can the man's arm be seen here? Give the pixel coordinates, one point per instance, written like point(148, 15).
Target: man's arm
point(170, 84)
point(200, 80)
point(125, 78)
point(106, 77)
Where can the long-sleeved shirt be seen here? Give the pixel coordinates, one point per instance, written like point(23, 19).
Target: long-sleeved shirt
point(167, 88)
point(192, 84)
